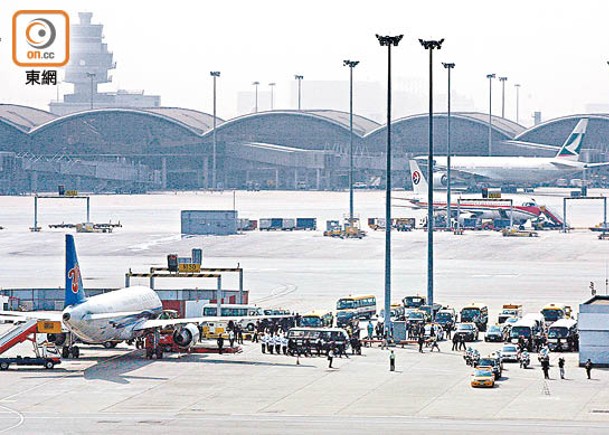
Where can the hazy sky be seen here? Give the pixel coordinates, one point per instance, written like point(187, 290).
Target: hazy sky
point(557, 50)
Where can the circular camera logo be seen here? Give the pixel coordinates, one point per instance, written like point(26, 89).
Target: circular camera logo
point(40, 33)
point(416, 177)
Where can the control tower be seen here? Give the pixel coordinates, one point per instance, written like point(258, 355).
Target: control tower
point(89, 66)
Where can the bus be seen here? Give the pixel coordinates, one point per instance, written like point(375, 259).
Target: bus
point(317, 319)
point(476, 313)
point(361, 306)
point(527, 327)
point(231, 310)
point(248, 312)
point(553, 312)
point(563, 336)
point(414, 301)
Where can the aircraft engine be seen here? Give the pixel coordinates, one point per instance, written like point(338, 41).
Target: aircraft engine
point(439, 179)
point(187, 335)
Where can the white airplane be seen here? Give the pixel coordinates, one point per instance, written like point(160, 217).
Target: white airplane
point(479, 208)
point(124, 314)
point(524, 169)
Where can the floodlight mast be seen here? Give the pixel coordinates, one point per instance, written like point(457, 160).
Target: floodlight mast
point(388, 41)
point(430, 45)
point(351, 64)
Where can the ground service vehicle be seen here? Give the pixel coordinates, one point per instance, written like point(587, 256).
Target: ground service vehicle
point(482, 377)
point(518, 232)
point(300, 335)
point(494, 333)
point(317, 319)
point(396, 313)
point(362, 306)
point(414, 301)
point(469, 331)
point(553, 312)
point(510, 310)
point(526, 328)
point(47, 363)
point(416, 316)
point(476, 313)
point(447, 318)
point(563, 336)
point(250, 312)
point(431, 310)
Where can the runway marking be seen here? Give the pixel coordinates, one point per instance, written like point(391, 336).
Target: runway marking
point(18, 414)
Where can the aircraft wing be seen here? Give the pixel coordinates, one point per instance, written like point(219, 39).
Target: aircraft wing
point(21, 316)
point(164, 323)
point(596, 165)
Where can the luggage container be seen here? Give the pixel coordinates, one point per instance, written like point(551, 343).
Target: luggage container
point(288, 224)
point(306, 224)
point(501, 223)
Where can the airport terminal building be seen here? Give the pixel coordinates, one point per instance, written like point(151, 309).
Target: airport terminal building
point(129, 149)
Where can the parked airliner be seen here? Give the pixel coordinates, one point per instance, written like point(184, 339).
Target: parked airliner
point(124, 314)
point(526, 170)
point(485, 209)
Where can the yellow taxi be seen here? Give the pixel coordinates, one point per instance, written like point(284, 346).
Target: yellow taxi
point(482, 378)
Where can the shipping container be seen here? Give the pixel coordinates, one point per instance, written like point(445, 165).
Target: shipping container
point(209, 222)
point(306, 224)
point(288, 224)
point(501, 223)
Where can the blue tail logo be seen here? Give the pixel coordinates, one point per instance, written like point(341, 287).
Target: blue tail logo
point(75, 291)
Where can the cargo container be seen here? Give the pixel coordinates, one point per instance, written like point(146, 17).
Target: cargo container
point(288, 224)
point(245, 224)
point(501, 223)
point(306, 224)
point(470, 223)
point(270, 224)
point(209, 222)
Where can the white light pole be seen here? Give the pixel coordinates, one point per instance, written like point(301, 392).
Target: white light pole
point(517, 86)
point(490, 78)
point(272, 86)
point(214, 74)
point(503, 80)
point(449, 67)
point(256, 104)
point(351, 64)
point(299, 78)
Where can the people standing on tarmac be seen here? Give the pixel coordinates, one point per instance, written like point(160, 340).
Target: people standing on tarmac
point(455, 342)
point(370, 329)
point(277, 342)
point(462, 342)
point(545, 367)
point(434, 343)
point(284, 344)
point(256, 331)
point(270, 344)
point(231, 338)
point(561, 367)
point(421, 341)
point(392, 361)
point(239, 335)
point(263, 342)
point(330, 355)
point(588, 367)
point(220, 342)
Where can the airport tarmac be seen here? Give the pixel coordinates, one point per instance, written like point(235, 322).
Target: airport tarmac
point(118, 390)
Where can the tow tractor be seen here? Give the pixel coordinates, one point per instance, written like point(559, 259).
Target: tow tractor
point(35, 331)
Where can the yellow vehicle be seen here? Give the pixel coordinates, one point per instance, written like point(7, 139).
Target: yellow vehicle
point(353, 308)
point(553, 312)
point(317, 319)
point(517, 232)
point(476, 313)
point(212, 330)
point(482, 378)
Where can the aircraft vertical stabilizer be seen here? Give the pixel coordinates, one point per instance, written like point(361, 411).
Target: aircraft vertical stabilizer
point(75, 291)
point(572, 146)
point(419, 183)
